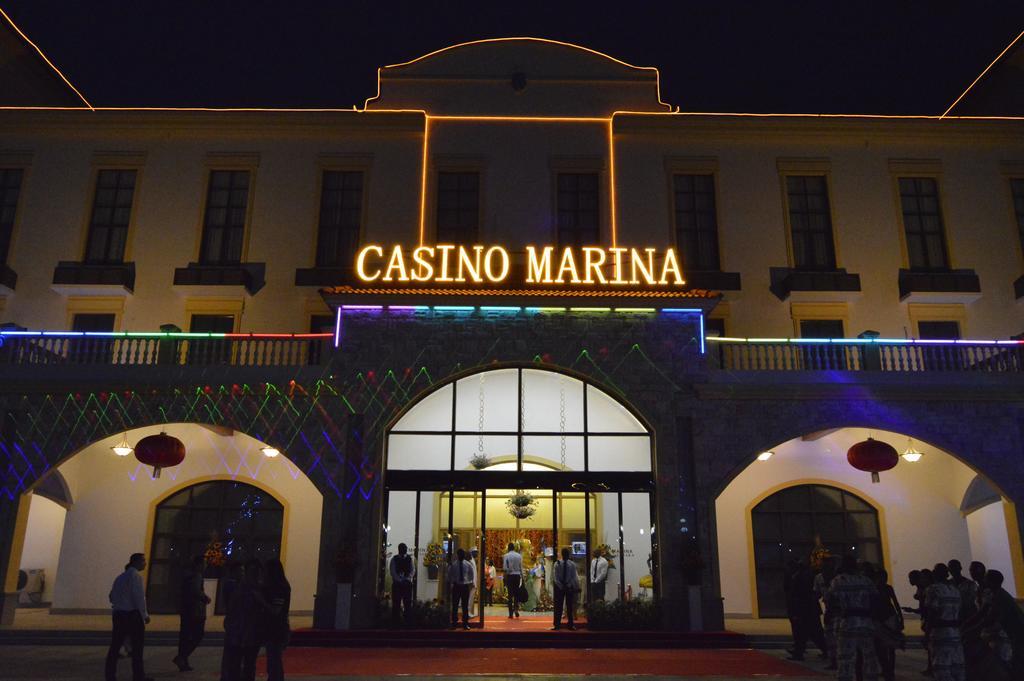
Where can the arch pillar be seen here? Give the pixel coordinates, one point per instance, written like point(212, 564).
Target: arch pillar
point(13, 523)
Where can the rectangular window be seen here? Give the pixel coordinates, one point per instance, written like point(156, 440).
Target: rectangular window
point(212, 323)
point(810, 222)
point(1017, 189)
point(10, 188)
point(93, 322)
point(938, 330)
point(111, 213)
point(341, 214)
point(458, 208)
point(922, 223)
point(696, 222)
point(821, 328)
point(578, 210)
point(227, 202)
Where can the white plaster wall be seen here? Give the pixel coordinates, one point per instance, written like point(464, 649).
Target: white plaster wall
point(987, 530)
point(42, 540)
point(115, 497)
point(919, 502)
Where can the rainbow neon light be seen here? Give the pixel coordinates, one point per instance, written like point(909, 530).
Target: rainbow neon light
point(865, 341)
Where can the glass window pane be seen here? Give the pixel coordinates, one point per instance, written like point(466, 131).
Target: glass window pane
point(606, 415)
point(492, 394)
point(619, 453)
point(419, 452)
point(548, 399)
point(548, 450)
point(495, 448)
point(434, 412)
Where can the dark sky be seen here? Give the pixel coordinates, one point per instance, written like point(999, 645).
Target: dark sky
point(829, 56)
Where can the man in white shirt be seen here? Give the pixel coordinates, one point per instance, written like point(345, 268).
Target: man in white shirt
point(460, 576)
point(512, 566)
point(567, 585)
point(402, 569)
point(598, 576)
point(130, 617)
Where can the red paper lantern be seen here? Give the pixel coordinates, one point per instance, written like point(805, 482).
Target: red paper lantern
point(160, 451)
point(872, 456)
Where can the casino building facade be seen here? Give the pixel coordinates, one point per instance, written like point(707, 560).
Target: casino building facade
point(514, 297)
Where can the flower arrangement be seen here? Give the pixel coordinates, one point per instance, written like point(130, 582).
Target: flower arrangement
point(479, 461)
point(434, 556)
point(521, 505)
point(819, 554)
point(214, 554)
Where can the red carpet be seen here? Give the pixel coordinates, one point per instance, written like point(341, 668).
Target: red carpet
point(463, 661)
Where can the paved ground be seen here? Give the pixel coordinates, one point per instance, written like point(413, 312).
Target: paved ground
point(71, 663)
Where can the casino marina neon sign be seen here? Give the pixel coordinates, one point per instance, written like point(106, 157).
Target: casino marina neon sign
point(478, 264)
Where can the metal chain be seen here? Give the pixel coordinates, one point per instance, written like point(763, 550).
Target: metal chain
point(561, 417)
point(480, 419)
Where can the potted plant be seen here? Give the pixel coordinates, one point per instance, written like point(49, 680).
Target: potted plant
point(479, 461)
point(521, 505)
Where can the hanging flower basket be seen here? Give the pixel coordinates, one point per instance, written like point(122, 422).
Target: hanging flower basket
point(521, 505)
point(480, 461)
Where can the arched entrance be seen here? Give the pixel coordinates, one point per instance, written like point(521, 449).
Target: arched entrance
point(457, 455)
point(928, 509)
point(226, 489)
point(226, 521)
point(791, 523)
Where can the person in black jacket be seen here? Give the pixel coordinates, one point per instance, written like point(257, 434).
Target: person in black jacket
point(192, 610)
point(277, 592)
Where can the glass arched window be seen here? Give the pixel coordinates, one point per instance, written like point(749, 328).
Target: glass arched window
point(225, 520)
point(788, 525)
point(519, 414)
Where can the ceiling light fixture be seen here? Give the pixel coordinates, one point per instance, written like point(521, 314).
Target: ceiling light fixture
point(764, 456)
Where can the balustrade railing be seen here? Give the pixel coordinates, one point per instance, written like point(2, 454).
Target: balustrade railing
point(866, 355)
point(182, 349)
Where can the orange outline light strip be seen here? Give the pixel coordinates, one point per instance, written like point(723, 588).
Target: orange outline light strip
point(657, 73)
point(982, 74)
point(423, 180)
point(611, 180)
point(45, 58)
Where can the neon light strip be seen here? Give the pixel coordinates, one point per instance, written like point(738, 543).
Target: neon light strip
point(407, 308)
point(164, 335)
point(454, 308)
point(635, 309)
point(337, 329)
point(865, 341)
point(362, 307)
point(590, 309)
point(545, 309)
point(499, 308)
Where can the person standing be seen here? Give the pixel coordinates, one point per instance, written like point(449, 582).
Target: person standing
point(598, 575)
point(460, 576)
point(130, 617)
point(474, 585)
point(277, 592)
point(942, 611)
point(192, 611)
point(854, 594)
point(402, 571)
point(512, 567)
point(490, 581)
point(243, 625)
point(967, 587)
point(889, 625)
point(804, 612)
point(567, 585)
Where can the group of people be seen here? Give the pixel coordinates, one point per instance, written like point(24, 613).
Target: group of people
point(463, 583)
point(258, 598)
point(851, 613)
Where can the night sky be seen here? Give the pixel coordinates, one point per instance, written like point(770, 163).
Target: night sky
point(826, 56)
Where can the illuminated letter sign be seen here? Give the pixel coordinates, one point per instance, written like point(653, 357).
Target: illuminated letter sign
point(478, 264)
